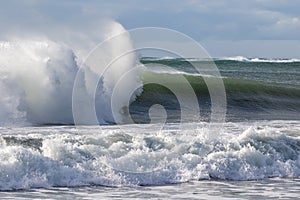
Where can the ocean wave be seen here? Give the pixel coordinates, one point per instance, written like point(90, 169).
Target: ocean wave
point(66, 156)
point(238, 86)
point(233, 58)
point(39, 87)
point(169, 71)
point(266, 60)
point(169, 58)
point(246, 99)
point(37, 79)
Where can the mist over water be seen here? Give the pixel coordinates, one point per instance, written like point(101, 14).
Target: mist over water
point(37, 79)
point(36, 82)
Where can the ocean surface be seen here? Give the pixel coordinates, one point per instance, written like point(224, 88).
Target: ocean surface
point(253, 153)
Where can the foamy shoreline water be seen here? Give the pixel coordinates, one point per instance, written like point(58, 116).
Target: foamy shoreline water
point(46, 157)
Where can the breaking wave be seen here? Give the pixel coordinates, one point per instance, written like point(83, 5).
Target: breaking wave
point(64, 156)
point(37, 78)
point(266, 60)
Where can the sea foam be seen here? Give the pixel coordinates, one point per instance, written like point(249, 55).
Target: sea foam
point(65, 156)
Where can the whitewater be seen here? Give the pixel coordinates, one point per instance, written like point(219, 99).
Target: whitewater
point(68, 156)
point(37, 79)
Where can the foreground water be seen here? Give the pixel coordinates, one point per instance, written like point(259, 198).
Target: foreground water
point(261, 189)
point(258, 159)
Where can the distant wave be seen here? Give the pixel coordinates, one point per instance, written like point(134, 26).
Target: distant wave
point(175, 58)
point(271, 60)
point(234, 58)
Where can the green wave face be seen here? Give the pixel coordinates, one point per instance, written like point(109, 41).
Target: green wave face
point(251, 93)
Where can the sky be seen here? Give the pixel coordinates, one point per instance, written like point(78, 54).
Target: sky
point(252, 28)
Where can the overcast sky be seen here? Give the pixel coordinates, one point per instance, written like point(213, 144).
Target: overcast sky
point(265, 28)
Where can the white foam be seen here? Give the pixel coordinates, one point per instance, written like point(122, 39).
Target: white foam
point(65, 156)
point(163, 69)
point(245, 59)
